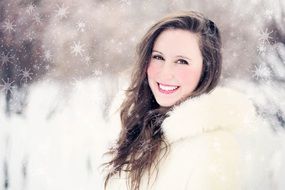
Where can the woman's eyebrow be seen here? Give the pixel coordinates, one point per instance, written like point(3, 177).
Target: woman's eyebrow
point(178, 56)
point(183, 57)
point(157, 52)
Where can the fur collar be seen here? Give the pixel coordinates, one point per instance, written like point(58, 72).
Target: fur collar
point(221, 109)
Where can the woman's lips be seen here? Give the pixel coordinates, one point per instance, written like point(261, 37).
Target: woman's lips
point(166, 88)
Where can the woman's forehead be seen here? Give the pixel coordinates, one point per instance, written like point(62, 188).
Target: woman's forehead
point(177, 41)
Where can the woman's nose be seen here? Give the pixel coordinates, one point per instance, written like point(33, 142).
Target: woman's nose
point(167, 71)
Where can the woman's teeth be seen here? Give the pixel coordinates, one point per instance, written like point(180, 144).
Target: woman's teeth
point(167, 88)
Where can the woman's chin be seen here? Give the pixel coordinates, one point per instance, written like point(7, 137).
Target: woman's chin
point(164, 103)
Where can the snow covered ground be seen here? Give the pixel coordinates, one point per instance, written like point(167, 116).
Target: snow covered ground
point(59, 141)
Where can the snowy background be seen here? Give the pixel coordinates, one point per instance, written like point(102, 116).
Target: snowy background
point(61, 64)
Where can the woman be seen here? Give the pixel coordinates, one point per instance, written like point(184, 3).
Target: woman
point(176, 131)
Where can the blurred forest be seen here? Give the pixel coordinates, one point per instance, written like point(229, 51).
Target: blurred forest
point(66, 40)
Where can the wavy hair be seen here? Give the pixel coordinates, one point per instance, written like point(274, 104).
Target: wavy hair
point(141, 143)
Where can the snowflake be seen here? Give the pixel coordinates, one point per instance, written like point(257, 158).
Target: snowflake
point(26, 75)
point(125, 2)
point(87, 59)
point(262, 72)
point(97, 73)
point(47, 55)
point(6, 58)
point(30, 9)
point(261, 49)
point(47, 67)
point(31, 35)
point(7, 86)
point(9, 26)
point(37, 67)
point(77, 49)
point(37, 19)
point(61, 11)
point(80, 26)
point(264, 36)
point(75, 83)
point(268, 13)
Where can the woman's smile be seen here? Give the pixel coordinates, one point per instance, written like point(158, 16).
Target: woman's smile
point(166, 88)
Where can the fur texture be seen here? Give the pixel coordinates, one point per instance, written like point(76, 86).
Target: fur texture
point(216, 142)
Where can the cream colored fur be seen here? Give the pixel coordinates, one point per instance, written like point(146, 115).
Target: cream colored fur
point(217, 142)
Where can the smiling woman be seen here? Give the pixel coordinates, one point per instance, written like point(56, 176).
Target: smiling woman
point(176, 56)
point(177, 130)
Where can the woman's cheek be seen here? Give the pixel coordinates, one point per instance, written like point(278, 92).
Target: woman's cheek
point(152, 70)
point(188, 77)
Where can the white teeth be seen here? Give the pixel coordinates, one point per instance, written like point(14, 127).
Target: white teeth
point(168, 88)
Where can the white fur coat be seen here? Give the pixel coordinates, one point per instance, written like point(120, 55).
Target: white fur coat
point(216, 142)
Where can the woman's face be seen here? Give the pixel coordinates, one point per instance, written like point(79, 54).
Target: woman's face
point(175, 66)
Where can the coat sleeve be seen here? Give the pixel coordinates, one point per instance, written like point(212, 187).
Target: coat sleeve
point(217, 163)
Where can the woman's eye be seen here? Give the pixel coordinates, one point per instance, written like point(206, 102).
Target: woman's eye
point(182, 61)
point(158, 57)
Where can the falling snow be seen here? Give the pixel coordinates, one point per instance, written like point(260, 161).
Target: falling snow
point(7, 86)
point(80, 26)
point(26, 74)
point(261, 49)
point(8, 26)
point(264, 36)
point(262, 72)
point(30, 9)
point(31, 35)
point(47, 55)
point(37, 19)
point(97, 73)
point(6, 58)
point(125, 2)
point(77, 49)
point(61, 11)
point(268, 14)
point(87, 59)
point(75, 82)
point(39, 38)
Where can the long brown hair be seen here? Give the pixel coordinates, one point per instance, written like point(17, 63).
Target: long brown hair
point(141, 142)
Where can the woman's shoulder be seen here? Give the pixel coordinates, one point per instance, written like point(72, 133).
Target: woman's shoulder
point(221, 138)
point(222, 109)
point(222, 159)
point(208, 161)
